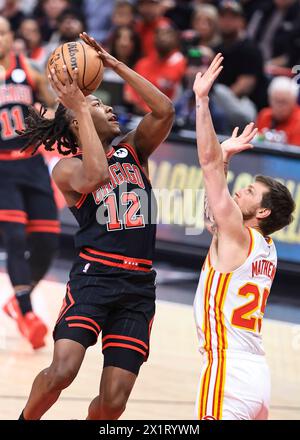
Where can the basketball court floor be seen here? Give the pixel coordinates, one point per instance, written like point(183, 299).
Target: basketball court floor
point(166, 386)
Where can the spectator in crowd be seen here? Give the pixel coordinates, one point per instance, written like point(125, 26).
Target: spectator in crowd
point(98, 18)
point(293, 58)
point(29, 31)
point(164, 68)
point(70, 24)
point(242, 85)
point(251, 6)
point(123, 14)
point(201, 2)
point(47, 13)
point(150, 18)
point(28, 6)
point(280, 122)
point(125, 45)
point(205, 22)
point(179, 12)
point(198, 60)
point(12, 11)
point(19, 47)
point(271, 27)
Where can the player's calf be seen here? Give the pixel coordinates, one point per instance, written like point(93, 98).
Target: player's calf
point(115, 389)
point(47, 386)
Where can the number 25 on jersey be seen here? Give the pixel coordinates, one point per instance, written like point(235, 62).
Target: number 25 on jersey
point(243, 317)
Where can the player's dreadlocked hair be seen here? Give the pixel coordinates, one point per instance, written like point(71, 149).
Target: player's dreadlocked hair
point(49, 132)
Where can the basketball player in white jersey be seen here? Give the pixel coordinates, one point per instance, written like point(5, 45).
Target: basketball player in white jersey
point(236, 277)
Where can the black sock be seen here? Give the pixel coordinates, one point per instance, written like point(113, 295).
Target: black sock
point(22, 416)
point(23, 298)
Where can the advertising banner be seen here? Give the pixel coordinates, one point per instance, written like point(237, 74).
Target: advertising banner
point(178, 185)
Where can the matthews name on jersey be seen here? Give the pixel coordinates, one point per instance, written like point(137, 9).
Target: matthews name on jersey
point(229, 307)
point(117, 221)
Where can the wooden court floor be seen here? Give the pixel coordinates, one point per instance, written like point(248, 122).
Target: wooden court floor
point(166, 387)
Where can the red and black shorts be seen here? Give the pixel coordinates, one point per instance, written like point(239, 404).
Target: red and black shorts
point(26, 195)
point(117, 302)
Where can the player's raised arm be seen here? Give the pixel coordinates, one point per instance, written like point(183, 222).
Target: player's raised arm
point(73, 174)
point(226, 214)
point(156, 125)
point(230, 147)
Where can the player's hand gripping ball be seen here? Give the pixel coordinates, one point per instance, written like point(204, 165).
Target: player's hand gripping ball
point(77, 54)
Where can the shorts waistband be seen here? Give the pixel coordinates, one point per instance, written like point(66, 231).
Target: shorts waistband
point(116, 260)
point(14, 155)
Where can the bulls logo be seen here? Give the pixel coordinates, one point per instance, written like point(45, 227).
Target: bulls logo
point(121, 153)
point(18, 76)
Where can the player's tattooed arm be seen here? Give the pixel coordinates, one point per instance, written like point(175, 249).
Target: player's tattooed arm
point(209, 220)
point(234, 145)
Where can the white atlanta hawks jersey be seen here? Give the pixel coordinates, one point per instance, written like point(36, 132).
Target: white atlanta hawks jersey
point(229, 307)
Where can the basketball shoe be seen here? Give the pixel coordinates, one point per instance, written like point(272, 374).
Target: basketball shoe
point(30, 325)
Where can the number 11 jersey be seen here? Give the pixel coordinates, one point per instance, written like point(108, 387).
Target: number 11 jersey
point(17, 93)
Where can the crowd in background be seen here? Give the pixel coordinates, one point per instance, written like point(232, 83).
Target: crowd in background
point(169, 41)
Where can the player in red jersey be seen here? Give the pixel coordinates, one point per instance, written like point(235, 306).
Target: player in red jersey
point(112, 283)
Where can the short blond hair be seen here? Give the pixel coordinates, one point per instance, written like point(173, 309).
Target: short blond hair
point(210, 11)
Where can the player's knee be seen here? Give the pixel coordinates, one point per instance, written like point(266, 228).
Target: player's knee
point(114, 407)
point(114, 399)
point(60, 376)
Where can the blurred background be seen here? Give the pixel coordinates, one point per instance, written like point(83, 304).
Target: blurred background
point(168, 42)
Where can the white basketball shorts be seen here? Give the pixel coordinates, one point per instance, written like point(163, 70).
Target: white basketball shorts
point(233, 386)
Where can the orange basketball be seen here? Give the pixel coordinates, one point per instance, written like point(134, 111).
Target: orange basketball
point(77, 54)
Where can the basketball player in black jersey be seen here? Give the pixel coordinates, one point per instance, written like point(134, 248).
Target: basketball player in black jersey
point(112, 284)
point(28, 217)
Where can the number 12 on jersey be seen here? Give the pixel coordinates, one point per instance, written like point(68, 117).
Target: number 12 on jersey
point(131, 219)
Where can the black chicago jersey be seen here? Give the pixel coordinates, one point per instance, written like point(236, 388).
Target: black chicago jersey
point(120, 217)
point(16, 94)
point(112, 283)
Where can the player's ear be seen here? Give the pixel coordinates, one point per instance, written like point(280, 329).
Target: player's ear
point(263, 213)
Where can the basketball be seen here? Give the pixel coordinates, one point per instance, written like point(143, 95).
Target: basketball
point(77, 54)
